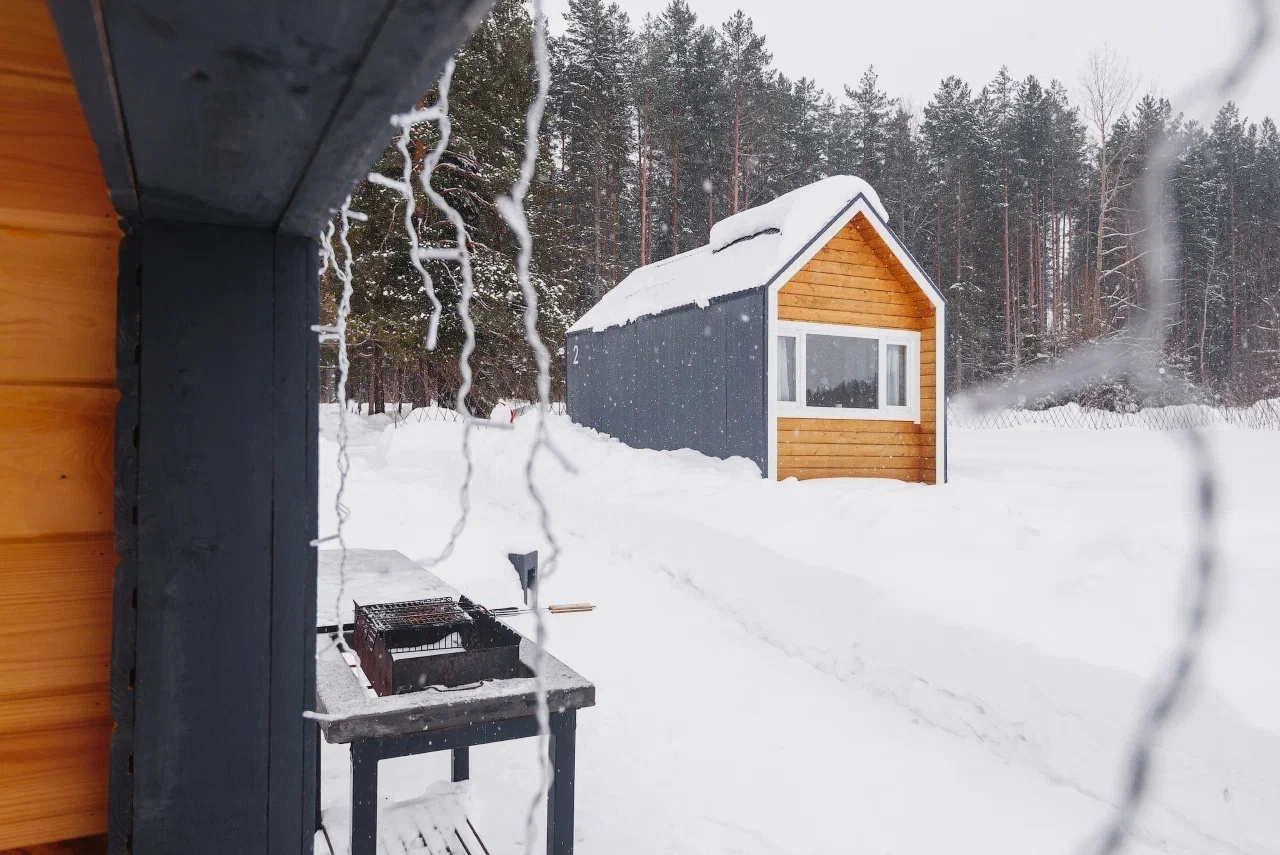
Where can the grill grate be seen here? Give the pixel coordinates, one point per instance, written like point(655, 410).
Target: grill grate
point(471, 644)
point(414, 625)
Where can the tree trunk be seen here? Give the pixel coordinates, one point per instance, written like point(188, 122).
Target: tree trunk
point(937, 246)
point(595, 270)
point(711, 214)
point(675, 195)
point(737, 143)
point(645, 159)
point(1093, 306)
point(1008, 298)
point(378, 402)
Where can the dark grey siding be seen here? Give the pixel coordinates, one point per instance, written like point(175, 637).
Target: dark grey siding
point(688, 378)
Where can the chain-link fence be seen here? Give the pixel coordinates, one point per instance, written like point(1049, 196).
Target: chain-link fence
point(1264, 415)
point(434, 412)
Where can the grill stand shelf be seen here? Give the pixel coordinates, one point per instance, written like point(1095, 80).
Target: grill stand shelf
point(381, 728)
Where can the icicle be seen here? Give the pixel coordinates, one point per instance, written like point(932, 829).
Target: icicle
point(338, 332)
point(463, 257)
point(458, 253)
point(405, 188)
point(512, 210)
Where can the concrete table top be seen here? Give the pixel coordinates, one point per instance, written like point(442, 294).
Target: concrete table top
point(351, 713)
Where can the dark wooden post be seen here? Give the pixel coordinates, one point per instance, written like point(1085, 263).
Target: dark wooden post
point(226, 508)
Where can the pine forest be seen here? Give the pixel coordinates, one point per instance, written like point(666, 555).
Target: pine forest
point(1020, 197)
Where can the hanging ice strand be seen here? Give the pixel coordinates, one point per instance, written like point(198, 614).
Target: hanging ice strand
point(404, 187)
point(512, 210)
point(458, 252)
point(338, 332)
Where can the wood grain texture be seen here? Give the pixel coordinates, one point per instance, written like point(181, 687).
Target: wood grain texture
point(52, 784)
point(879, 304)
point(95, 845)
point(800, 287)
point(796, 427)
point(50, 178)
point(28, 41)
point(893, 445)
point(844, 470)
point(57, 308)
point(55, 621)
point(855, 281)
point(56, 456)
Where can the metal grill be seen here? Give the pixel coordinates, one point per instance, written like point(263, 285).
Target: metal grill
point(410, 645)
point(415, 625)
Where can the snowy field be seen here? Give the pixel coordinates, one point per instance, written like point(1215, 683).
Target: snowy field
point(850, 666)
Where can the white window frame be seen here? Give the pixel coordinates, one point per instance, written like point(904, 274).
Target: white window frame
point(799, 409)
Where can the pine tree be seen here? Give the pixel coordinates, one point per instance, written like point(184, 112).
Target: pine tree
point(863, 128)
point(747, 79)
point(489, 95)
point(592, 105)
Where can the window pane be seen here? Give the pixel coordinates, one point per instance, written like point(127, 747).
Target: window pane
point(786, 368)
point(842, 372)
point(895, 386)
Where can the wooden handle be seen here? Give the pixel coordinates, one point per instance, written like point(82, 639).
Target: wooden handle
point(571, 607)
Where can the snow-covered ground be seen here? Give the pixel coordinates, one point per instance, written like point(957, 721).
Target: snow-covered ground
point(852, 666)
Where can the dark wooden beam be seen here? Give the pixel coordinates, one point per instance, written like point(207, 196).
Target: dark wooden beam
point(428, 31)
point(202, 710)
point(252, 113)
point(225, 573)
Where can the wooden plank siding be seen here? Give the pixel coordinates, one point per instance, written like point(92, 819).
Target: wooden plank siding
point(58, 236)
point(856, 281)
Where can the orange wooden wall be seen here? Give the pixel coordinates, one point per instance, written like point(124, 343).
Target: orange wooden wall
point(58, 239)
point(855, 280)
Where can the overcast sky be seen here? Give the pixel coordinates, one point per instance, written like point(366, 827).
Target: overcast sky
point(913, 44)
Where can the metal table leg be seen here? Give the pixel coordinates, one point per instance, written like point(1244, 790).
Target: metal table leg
point(564, 751)
point(364, 797)
point(461, 763)
point(319, 817)
point(365, 755)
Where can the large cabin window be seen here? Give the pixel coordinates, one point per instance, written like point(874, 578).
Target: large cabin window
point(829, 371)
point(842, 371)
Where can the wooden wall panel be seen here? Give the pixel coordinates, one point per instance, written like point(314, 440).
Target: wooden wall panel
point(855, 281)
point(60, 583)
point(56, 452)
point(51, 784)
point(58, 238)
point(29, 43)
point(49, 167)
point(57, 307)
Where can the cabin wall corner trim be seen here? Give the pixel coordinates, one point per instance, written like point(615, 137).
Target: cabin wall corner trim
point(125, 588)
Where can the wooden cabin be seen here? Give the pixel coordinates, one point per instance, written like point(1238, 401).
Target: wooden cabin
point(165, 169)
point(803, 336)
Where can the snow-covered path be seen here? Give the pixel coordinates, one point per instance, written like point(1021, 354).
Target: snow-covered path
point(854, 666)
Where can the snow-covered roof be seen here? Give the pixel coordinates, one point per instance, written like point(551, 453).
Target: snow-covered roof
point(746, 251)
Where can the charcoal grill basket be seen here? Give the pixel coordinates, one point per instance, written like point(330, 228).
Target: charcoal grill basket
point(408, 646)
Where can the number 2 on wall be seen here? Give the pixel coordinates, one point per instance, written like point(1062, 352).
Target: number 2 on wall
point(575, 354)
